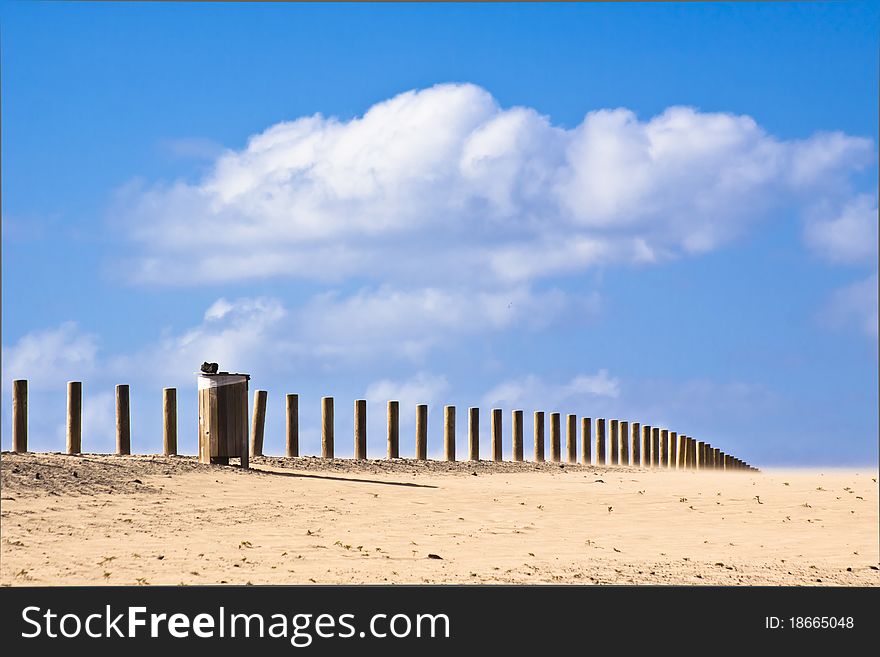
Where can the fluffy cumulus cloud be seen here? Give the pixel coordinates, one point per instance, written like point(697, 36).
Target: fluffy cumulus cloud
point(443, 183)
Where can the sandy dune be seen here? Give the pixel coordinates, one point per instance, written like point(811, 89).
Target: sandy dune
point(150, 520)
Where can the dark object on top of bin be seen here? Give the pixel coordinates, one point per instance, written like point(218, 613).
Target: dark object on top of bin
point(210, 368)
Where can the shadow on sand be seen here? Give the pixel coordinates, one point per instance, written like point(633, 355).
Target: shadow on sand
point(351, 479)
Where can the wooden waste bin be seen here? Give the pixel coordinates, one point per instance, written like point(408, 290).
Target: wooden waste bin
point(223, 418)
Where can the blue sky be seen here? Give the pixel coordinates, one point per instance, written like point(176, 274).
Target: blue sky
point(659, 212)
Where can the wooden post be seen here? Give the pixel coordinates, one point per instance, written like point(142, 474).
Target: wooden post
point(634, 440)
point(258, 422)
point(327, 427)
point(449, 432)
point(571, 438)
point(555, 440)
point(474, 434)
point(169, 421)
point(681, 449)
point(716, 458)
point(614, 446)
point(623, 458)
point(292, 426)
point(655, 447)
point(645, 446)
point(664, 448)
point(123, 420)
point(240, 401)
point(393, 429)
point(20, 415)
point(701, 455)
point(692, 448)
point(360, 429)
point(539, 436)
point(496, 434)
point(586, 440)
point(600, 441)
point(74, 417)
point(672, 449)
point(422, 432)
point(516, 435)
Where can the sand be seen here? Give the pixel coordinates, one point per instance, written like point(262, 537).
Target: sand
point(98, 519)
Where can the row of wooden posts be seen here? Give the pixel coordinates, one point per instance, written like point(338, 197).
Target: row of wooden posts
point(628, 443)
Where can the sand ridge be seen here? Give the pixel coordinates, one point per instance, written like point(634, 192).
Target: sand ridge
point(156, 520)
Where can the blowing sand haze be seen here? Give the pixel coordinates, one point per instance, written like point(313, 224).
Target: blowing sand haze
point(151, 520)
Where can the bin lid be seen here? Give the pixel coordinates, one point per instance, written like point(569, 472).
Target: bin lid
point(220, 379)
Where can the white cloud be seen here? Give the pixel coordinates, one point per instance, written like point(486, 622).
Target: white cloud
point(51, 357)
point(533, 391)
point(443, 183)
point(422, 388)
point(854, 305)
point(850, 236)
point(239, 335)
point(333, 331)
point(411, 321)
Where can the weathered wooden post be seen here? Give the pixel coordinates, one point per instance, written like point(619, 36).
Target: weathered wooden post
point(586, 440)
point(422, 432)
point(516, 435)
point(623, 459)
point(600, 441)
point(360, 429)
point(474, 434)
point(571, 437)
point(123, 421)
point(681, 452)
point(291, 403)
point(20, 415)
point(327, 426)
point(645, 446)
point(496, 434)
point(394, 429)
point(614, 446)
point(74, 417)
point(555, 440)
point(716, 458)
point(634, 440)
point(693, 452)
point(539, 436)
point(169, 421)
point(449, 432)
point(701, 455)
point(673, 449)
point(655, 447)
point(258, 422)
point(664, 448)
